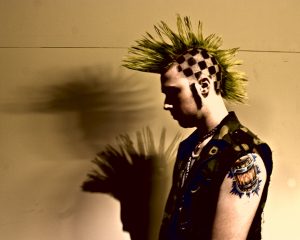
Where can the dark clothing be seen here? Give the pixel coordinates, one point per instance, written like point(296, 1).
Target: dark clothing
point(190, 210)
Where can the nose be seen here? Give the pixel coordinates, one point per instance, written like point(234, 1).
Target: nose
point(168, 106)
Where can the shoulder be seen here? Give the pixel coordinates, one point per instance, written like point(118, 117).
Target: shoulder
point(244, 141)
point(247, 175)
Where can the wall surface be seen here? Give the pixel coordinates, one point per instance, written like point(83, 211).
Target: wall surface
point(60, 62)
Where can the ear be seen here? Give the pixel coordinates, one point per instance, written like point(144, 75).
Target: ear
point(205, 85)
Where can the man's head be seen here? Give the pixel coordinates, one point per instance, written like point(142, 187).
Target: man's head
point(196, 61)
point(190, 87)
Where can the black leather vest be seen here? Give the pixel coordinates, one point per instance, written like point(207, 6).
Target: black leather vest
point(190, 210)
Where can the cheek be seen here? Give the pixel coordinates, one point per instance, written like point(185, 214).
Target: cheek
point(188, 105)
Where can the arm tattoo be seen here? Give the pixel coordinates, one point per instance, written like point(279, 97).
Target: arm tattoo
point(245, 176)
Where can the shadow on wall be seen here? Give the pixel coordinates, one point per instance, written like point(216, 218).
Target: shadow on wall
point(102, 103)
point(136, 173)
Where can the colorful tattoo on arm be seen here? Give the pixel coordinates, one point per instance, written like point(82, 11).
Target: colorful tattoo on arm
point(245, 176)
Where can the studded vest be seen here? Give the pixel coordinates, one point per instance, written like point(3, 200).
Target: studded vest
point(190, 210)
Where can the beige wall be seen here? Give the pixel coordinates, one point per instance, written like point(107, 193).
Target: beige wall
point(52, 51)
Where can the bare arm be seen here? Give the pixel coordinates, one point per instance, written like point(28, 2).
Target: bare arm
point(239, 198)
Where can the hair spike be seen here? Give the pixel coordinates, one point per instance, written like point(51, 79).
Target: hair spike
point(152, 55)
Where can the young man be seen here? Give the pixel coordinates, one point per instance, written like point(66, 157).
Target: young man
point(222, 171)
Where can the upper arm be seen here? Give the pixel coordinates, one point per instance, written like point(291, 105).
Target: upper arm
point(239, 197)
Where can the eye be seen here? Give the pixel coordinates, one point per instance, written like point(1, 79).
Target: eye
point(172, 92)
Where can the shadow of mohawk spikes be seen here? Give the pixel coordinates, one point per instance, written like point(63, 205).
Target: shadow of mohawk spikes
point(137, 173)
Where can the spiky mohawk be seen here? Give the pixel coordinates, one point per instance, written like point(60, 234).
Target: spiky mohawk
point(155, 56)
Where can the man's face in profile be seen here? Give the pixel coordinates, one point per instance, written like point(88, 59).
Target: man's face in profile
point(179, 99)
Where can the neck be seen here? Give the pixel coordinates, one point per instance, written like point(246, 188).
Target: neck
point(211, 118)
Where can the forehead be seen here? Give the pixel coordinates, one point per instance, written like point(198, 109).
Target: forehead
point(173, 78)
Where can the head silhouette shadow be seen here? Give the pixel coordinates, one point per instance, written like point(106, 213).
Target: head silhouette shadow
point(98, 101)
point(105, 104)
point(137, 173)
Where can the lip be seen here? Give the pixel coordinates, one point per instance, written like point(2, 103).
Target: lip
point(173, 115)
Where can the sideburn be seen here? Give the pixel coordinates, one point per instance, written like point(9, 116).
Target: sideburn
point(196, 96)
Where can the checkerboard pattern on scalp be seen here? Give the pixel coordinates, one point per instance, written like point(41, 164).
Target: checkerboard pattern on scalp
point(196, 62)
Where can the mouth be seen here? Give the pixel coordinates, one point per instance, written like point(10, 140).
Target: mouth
point(174, 115)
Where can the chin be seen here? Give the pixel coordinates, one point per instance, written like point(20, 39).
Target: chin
point(185, 124)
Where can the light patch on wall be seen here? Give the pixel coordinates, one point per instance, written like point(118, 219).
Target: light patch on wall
point(291, 182)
